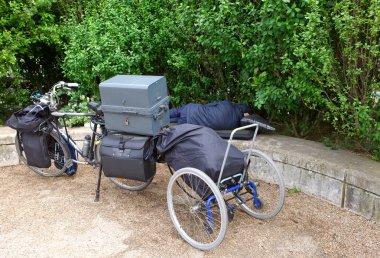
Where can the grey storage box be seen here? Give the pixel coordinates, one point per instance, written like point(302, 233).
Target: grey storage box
point(137, 104)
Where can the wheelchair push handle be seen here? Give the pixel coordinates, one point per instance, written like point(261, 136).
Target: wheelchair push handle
point(229, 145)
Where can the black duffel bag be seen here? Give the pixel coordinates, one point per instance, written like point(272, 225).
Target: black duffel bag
point(126, 156)
point(29, 118)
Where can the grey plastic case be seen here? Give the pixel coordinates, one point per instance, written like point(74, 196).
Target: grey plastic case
point(137, 104)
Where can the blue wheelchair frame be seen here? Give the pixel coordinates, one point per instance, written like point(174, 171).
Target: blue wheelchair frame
point(240, 184)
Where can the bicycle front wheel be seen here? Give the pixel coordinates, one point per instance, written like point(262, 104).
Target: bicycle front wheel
point(58, 152)
point(263, 192)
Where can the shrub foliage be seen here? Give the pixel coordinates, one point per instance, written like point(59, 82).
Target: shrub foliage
point(305, 64)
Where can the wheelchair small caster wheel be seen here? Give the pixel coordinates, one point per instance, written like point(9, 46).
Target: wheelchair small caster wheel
point(258, 204)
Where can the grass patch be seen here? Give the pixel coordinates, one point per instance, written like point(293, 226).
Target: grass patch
point(293, 190)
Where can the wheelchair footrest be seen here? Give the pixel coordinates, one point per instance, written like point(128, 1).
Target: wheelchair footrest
point(231, 212)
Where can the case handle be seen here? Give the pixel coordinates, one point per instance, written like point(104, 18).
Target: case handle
point(162, 109)
point(129, 112)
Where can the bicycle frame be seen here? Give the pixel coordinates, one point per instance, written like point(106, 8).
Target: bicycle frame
point(70, 141)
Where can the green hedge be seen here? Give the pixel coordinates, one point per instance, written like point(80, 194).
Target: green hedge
point(310, 66)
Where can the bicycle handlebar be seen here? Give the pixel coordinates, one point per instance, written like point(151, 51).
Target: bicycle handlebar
point(65, 85)
point(51, 98)
point(70, 85)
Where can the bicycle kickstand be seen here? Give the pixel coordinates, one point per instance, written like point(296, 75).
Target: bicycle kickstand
point(98, 186)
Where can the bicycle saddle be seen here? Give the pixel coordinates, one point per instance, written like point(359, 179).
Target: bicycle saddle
point(96, 107)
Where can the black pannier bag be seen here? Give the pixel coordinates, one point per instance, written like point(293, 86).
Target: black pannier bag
point(36, 149)
point(34, 142)
point(126, 156)
point(29, 118)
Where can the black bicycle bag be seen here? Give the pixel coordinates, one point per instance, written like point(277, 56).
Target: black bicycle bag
point(36, 149)
point(126, 156)
point(29, 118)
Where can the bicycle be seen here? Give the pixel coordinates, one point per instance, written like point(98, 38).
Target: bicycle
point(63, 150)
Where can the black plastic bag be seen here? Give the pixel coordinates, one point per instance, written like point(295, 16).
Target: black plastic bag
point(29, 118)
point(199, 147)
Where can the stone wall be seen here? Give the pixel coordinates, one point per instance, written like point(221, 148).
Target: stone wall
point(337, 176)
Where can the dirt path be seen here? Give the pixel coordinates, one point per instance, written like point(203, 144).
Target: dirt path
point(57, 217)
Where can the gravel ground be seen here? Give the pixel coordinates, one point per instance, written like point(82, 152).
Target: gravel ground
point(57, 217)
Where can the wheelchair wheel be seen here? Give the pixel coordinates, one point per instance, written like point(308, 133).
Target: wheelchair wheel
point(197, 208)
point(58, 151)
point(263, 192)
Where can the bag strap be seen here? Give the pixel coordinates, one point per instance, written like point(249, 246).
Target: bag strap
point(36, 107)
point(121, 143)
point(123, 140)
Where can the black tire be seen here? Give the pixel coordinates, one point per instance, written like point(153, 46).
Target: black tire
point(131, 185)
point(58, 151)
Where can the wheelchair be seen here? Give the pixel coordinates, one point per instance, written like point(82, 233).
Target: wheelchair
point(201, 209)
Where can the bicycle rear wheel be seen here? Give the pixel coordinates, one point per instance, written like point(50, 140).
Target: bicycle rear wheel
point(58, 152)
point(131, 185)
point(197, 208)
point(263, 192)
